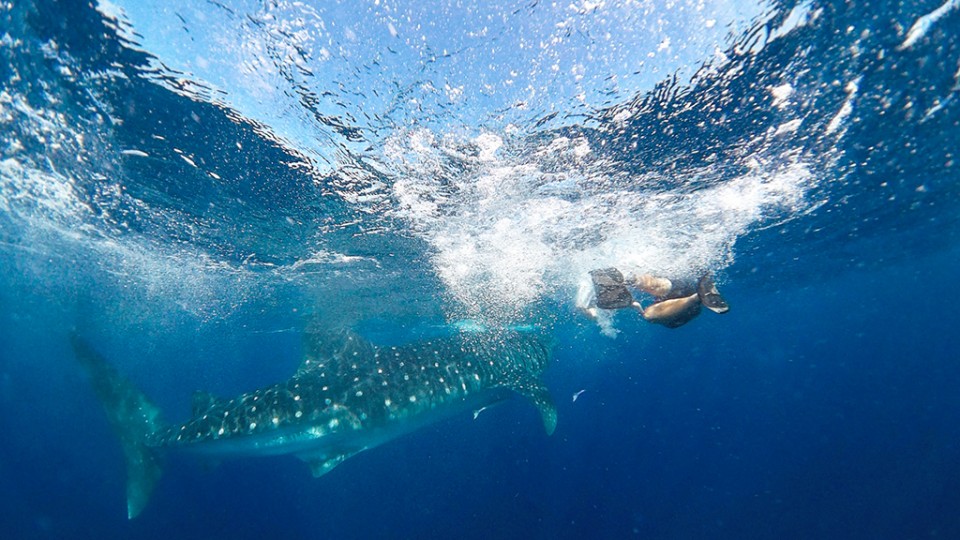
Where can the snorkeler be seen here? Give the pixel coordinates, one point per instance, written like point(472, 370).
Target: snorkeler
point(675, 303)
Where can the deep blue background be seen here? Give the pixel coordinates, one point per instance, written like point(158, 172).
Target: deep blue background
point(819, 410)
point(824, 405)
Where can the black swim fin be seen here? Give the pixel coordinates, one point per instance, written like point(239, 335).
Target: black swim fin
point(710, 297)
point(611, 291)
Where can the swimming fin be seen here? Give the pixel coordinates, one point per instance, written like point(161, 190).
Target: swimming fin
point(611, 291)
point(710, 296)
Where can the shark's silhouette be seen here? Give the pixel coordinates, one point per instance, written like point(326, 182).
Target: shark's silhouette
point(347, 396)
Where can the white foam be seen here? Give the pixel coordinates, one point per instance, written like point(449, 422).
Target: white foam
point(509, 231)
point(53, 220)
point(116, 17)
point(837, 121)
point(781, 94)
point(801, 15)
point(923, 24)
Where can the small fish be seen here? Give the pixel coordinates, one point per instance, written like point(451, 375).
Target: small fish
point(477, 412)
point(577, 395)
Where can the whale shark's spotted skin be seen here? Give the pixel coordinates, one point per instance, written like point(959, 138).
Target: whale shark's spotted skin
point(361, 387)
point(347, 396)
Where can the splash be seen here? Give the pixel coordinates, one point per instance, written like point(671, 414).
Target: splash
point(510, 226)
point(59, 227)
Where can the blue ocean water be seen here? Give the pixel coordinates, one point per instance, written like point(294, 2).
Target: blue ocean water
point(190, 186)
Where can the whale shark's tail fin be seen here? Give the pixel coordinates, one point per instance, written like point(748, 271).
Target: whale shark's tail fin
point(133, 417)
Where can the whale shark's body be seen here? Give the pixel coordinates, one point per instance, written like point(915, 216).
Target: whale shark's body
point(347, 396)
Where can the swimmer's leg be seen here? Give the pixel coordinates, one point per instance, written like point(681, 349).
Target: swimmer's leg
point(673, 312)
point(710, 297)
point(586, 300)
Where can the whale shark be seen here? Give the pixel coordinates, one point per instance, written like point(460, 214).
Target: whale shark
point(347, 396)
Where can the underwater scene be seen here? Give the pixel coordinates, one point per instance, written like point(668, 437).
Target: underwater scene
point(337, 269)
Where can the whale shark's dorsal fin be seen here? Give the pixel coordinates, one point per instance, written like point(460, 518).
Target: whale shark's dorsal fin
point(323, 347)
point(203, 402)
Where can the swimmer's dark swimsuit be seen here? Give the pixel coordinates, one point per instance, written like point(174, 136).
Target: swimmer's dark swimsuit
point(680, 289)
point(612, 293)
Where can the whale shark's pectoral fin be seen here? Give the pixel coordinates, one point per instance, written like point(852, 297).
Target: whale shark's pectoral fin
point(540, 396)
point(321, 465)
